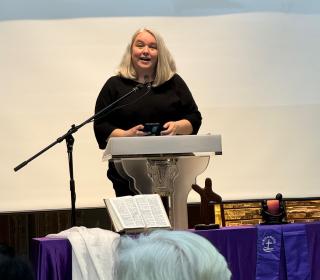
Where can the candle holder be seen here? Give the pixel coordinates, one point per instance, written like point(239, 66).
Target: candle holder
point(273, 211)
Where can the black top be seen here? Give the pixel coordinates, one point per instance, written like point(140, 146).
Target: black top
point(171, 101)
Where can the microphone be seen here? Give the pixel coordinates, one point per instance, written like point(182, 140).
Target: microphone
point(147, 83)
point(138, 86)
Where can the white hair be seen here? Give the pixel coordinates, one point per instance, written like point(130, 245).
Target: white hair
point(174, 255)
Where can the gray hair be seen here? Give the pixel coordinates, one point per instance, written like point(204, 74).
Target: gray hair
point(174, 255)
point(165, 68)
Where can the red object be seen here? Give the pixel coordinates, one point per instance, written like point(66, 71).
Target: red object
point(273, 206)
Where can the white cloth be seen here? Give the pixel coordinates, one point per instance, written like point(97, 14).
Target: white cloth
point(93, 252)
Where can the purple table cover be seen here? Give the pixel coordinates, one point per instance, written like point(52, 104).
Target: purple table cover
point(52, 257)
point(239, 247)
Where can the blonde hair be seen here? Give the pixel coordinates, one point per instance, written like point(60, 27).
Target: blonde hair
point(165, 67)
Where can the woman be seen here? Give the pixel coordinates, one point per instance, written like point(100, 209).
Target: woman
point(168, 101)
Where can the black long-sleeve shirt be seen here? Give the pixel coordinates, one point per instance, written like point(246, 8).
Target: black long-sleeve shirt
point(171, 101)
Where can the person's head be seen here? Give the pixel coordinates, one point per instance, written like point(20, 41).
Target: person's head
point(13, 267)
point(6, 250)
point(147, 56)
point(174, 255)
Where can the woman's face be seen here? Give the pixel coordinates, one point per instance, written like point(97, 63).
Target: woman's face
point(144, 54)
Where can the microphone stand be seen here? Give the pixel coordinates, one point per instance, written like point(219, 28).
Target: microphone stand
point(69, 142)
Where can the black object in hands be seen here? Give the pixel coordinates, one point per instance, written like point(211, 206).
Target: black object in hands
point(152, 128)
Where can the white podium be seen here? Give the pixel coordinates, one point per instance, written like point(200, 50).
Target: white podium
point(167, 165)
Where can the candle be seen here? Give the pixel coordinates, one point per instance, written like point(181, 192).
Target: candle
point(273, 206)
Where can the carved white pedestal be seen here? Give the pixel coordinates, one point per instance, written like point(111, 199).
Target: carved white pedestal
point(167, 165)
point(168, 176)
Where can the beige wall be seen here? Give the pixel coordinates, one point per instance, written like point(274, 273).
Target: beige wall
point(254, 76)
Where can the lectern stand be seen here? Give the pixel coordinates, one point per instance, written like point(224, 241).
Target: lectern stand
point(167, 165)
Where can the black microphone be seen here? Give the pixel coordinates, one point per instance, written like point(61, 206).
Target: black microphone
point(98, 115)
point(138, 86)
point(147, 83)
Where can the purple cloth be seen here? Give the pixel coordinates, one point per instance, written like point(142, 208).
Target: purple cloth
point(269, 245)
point(51, 258)
point(296, 252)
point(313, 236)
point(237, 246)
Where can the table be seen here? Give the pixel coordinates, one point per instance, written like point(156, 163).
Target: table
point(239, 247)
point(52, 257)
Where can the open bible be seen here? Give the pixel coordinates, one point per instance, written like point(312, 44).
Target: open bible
point(137, 213)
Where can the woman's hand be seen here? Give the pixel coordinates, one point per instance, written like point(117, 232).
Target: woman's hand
point(170, 128)
point(134, 131)
point(182, 127)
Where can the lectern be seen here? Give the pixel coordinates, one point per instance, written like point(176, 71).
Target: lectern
point(167, 165)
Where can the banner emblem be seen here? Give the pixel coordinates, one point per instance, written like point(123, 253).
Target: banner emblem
point(268, 243)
